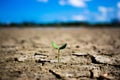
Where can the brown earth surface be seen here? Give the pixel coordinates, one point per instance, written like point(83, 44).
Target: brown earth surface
point(91, 54)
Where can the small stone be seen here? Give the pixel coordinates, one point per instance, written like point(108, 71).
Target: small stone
point(39, 56)
point(42, 60)
point(53, 61)
point(21, 58)
point(70, 74)
point(96, 73)
point(102, 59)
point(104, 75)
point(80, 54)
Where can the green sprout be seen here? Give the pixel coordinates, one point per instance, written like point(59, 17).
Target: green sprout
point(55, 46)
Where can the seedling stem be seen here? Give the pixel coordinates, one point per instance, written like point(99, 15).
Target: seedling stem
point(58, 48)
point(58, 56)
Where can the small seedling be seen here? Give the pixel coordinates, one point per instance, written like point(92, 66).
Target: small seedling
point(55, 46)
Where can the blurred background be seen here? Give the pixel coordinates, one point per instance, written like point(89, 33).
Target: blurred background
point(59, 13)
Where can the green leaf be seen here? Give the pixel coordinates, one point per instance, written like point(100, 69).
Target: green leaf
point(54, 45)
point(63, 46)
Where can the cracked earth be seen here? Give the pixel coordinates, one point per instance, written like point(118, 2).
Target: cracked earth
point(91, 54)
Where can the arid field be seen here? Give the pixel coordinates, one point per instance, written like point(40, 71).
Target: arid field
point(91, 54)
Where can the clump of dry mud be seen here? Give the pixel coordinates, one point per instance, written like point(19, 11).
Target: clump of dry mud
point(27, 54)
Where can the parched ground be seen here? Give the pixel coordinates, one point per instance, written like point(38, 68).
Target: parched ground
point(91, 54)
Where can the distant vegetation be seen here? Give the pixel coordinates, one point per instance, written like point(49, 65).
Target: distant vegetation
point(113, 23)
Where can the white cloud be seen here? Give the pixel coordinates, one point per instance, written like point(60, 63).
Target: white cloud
point(104, 13)
point(100, 17)
point(105, 9)
point(45, 1)
point(79, 17)
point(118, 4)
point(118, 12)
point(75, 3)
point(62, 2)
point(102, 9)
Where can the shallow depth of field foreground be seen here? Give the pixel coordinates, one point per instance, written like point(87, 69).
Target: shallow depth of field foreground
point(91, 53)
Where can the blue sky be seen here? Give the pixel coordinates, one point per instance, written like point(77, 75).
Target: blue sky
point(45, 11)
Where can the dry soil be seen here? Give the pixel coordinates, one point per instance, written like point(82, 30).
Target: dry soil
point(91, 54)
